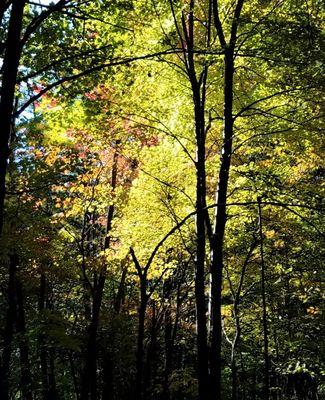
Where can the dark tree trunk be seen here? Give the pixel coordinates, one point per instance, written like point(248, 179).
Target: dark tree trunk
point(108, 388)
point(168, 352)
point(89, 376)
point(266, 389)
point(47, 375)
point(9, 329)
point(9, 76)
point(152, 351)
point(198, 94)
point(140, 342)
point(74, 375)
point(219, 230)
point(234, 388)
point(108, 363)
point(89, 379)
point(120, 296)
point(198, 86)
point(25, 371)
point(217, 242)
point(41, 340)
point(202, 347)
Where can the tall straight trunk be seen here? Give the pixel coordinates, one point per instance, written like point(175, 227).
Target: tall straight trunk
point(44, 369)
point(198, 86)
point(200, 225)
point(41, 340)
point(9, 330)
point(48, 381)
point(217, 240)
point(89, 376)
point(266, 389)
point(25, 371)
point(9, 77)
point(168, 351)
point(140, 341)
point(74, 375)
point(108, 358)
point(89, 380)
point(202, 348)
point(216, 263)
point(108, 388)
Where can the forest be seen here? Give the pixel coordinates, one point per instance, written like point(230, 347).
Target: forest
point(161, 200)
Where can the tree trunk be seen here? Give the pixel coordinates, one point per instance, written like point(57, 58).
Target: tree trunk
point(108, 357)
point(89, 380)
point(198, 95)
point(9, 330)
point(9, 77)
point(216, 264)
point(168, 352)
point(140, 342)
point(108, 388)
point(89, 376)
point(41, 340)
point(266, 389)
point(234, 388)
point(25, 371)
point(201, 327)
point(48, 382)
point(74, 375)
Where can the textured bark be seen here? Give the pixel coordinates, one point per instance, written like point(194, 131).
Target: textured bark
point(9, 76)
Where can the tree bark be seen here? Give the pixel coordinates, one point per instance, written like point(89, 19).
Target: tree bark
point(216, 263)
point(9, 330)
point(9, 76)
point(266, 389)
point(140, 341)
point(48, 382)
point(217, 240)
point(25, 371)
point(201, 321)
